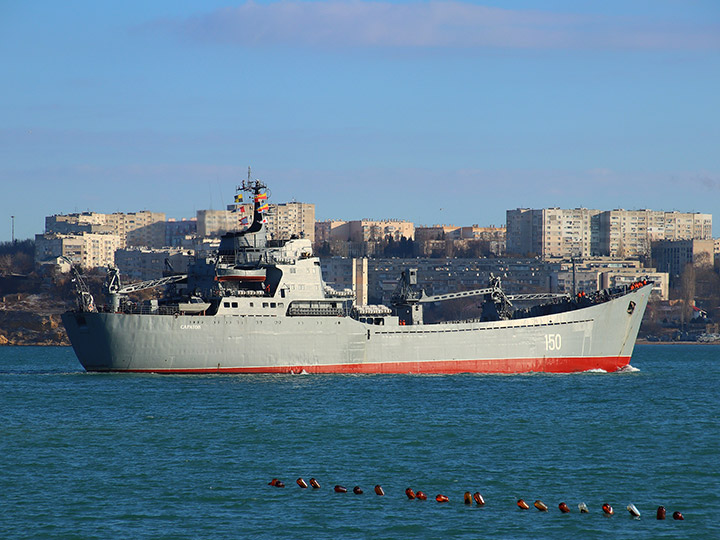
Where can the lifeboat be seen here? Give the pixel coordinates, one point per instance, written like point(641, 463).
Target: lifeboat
point(243, 275)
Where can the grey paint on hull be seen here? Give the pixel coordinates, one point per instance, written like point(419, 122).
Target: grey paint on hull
point(122, 342)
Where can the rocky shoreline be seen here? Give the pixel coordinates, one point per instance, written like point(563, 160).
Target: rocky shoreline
point(27, 328)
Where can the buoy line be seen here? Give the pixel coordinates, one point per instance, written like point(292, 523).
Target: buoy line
point(479, 500)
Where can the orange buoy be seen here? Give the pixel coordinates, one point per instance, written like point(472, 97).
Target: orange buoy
point(522, 504)
point(467, 497)
point(300, 482)
point(634, 512)
point(660, 512)
point(340, 489)
point(540, 506)
point(279, 484)
point(273, 482)
point(478, 499)
point(314, 483)
point(410, 493)
point(441, 498)
point(583, 508)
point(678, 516)
point(564, 508)
point(607, 509)
point(379, 490)
point(357, 490)
point(421, 496)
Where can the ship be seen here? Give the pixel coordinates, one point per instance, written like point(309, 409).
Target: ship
point(260, 305)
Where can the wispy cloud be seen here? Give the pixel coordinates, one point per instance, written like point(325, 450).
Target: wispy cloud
point(452, 24)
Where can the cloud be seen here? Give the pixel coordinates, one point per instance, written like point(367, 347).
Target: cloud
point(435, 24)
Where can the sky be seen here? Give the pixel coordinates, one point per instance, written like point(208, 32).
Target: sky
point(434, 112)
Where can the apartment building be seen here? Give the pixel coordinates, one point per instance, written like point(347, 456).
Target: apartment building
point(286, 220)
point(672, 256)
point(89, 250)
point(283, 220)
point(582, 232)
point(134, 229)
point(552, 232)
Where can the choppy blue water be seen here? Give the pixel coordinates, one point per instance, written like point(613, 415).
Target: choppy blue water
point(151, 456)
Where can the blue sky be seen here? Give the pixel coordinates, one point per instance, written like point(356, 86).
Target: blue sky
point(435, 112)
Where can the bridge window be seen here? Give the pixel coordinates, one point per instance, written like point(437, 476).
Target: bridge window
point(226, 304)
point(234, 304)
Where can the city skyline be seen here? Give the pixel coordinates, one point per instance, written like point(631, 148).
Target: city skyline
point(431, 112)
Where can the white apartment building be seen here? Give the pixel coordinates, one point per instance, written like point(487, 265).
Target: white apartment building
point(552, 232)
point(286, 220)
point(134, 229)
point(89, 250)
point(283, 220)
point(555, 232)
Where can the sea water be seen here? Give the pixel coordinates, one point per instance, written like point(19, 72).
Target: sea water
point(164, 456)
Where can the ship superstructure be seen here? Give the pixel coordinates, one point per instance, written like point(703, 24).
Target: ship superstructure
point(260, 305)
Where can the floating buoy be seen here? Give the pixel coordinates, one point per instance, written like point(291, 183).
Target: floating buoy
point(314, 483)
point(441, 498)
point(540, 506)
point(478, 499)
point(678, 516)
point(300, 482)
point(273, 482)
point(467, 497)
point(660, 512)
point(583, 508)
point(410, 493)
point(522, 504)
point(357, 490)
point(607, 509)
point(564, 508)
point(634, 512)
point(379, 490)
point(421, 496)
point(279, 484)
point(340, 489)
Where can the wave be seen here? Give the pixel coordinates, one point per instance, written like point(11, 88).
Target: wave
point(628, 369)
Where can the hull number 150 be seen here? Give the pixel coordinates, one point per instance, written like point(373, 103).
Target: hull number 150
point(553, 342)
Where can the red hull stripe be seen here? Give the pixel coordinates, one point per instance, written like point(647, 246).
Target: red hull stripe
point(504, 365)
point(240, 278)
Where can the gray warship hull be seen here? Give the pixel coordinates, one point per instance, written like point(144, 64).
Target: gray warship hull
point(597, 337)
